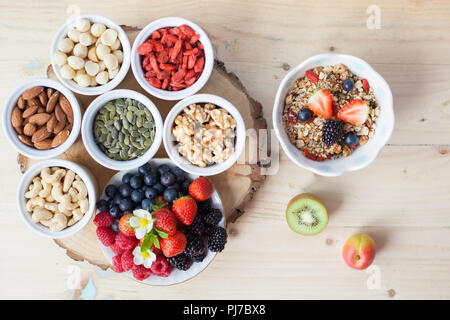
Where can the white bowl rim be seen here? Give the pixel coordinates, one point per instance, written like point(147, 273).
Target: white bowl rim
point(88, 137)
point(33, 171)
point(126, 49)
point(146, 33)
point(11, 133)
point(183, 163)
point(281, 134)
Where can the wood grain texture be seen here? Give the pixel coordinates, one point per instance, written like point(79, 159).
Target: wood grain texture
point(402, 199)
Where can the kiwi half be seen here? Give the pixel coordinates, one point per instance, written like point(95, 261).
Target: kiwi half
point(306, 214)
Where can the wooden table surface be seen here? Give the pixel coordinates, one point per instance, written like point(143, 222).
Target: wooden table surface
point(402, 199)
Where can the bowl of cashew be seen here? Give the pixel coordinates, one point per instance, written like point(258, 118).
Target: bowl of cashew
point(56, 198)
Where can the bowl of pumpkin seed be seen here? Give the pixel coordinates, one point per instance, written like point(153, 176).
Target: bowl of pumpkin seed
point(122, 129)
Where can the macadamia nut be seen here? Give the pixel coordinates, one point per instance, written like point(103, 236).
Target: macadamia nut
point(111, 61)
point(75, 62)
point(65, 45)
point(80, 50)
point(97, 29)
point(119, 55)
point(86, 39)
point(83, 25)
point(102, 77)
point(109, 37)
point(60, 58)
point(102, 50)
point(91, 68)
point(83, 80)
point(67, 72)
point(74, 35)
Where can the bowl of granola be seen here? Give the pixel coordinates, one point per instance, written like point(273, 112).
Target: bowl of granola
point(333, 114)
point(204, 134)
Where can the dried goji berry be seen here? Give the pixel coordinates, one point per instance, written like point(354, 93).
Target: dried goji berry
point(145, 48)
point(169, 67)
point(199, 65)
point(192, 52)
point(191, 62)
point(292, 117)
point(165, 83)
point(154, 82)
point(176, 49)
point(186, 30)
point(162, 56)
point(194, 38)
point(156, 35)
point(312, 76)
point(154, 63)
point(365, 85)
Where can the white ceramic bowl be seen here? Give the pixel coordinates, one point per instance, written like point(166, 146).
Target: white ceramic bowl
point(363, 155)
point(170, 141)
point(11, 133)
point(87, 130)
point(136, 65)
point(176, 276)
point(88, 179)
point(99, 89)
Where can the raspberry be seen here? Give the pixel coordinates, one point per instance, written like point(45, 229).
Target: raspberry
point(197, 227)
point(106, 236)
point(213, 217)
point(125, 242)
point(103, 219)
point(195, 246)
point(180, 261)
point(117, 264)
point(116, 249)
point(331, 132)
point(141, 273)
point(216, 242)
point(127, 260)
point(161, 267)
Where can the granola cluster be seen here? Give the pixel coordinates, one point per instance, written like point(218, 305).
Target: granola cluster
point(205, 134)
point(307, 136)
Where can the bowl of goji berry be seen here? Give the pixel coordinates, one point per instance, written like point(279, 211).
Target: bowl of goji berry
point(172, 58)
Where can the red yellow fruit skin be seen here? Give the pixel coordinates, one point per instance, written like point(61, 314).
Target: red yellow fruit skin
point(359, 251)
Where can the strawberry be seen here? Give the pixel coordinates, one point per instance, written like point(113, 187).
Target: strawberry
point(160, 202)
point(355, 112)
point(124, 225)
point(173, 245)
point(321, 103)
point(166, 221)
point(106, 236)
point(185, 208)
point(365, 85)
point(201, 189)
point(312, 76)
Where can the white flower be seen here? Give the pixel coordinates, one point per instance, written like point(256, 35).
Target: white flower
point(146, 258)
point(142, 222)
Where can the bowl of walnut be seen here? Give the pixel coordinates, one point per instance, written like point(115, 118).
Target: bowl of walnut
point(204, 134)
point(56, 198)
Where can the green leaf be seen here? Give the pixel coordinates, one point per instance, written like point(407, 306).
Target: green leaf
point(147, 243)
point(161, 233)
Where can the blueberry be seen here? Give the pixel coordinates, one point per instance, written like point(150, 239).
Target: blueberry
point(304, 114)
point(185, 186)
point(116, 199)
point(151, 193)
point(163, 168)
point(145, 169)
point(151, 178)
point(158, 187)
point(126, 178)
point(114, 211)
point(102, 205)
point(136, 182)
point(167, 178)
point(347, 84)
point(146, 204)
point(351, 139)
point(115, 225)
point(179, 174)
point(175, 186)
point(126, 204)
point(137, 195)
point(110, 190)
point(170, 194)
point(125, 190)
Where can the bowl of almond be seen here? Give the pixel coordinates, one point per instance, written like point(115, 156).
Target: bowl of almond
point(41, 118)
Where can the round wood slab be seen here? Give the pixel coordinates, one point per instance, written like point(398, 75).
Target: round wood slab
point(236, 186)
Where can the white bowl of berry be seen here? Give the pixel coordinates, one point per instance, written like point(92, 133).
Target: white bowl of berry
point(333, 114)
point(160, 225)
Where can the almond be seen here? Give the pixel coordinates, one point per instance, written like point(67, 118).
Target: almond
point(34, 102)
point(16, 118)
point(60, 115)
point(25, 140)
point(51, 123)
point(44, 144)
point(43, 98)
point(40, 110)
point(21, 103)
point(66, 107)
point(49, 92)
point(60, 138)
point(59, 126)
point(40, 135)
point(52, 102)
point(29, 129)
point(29, 111)
point(19, 130)
point(39, 119)
point(32, 92)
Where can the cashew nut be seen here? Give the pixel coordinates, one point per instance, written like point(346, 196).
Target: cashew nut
point(84, 205)
point(53, 207)
point(58, 222)
point(66, 202)
point(74, 194)
point(41, 214)
point(81, 188)
point(36, 187)
point(46, 191)
point(57, 193)
point(33, 203)
point(52, 177)
point(68, 179)
point(63, 210)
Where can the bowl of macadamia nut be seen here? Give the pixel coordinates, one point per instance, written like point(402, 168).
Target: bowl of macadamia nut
point(56, 198)
point(90, 54)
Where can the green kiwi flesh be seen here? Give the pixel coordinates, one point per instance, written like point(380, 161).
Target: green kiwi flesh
point(306, 214)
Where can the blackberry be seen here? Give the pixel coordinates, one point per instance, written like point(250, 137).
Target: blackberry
point(207, 232)
point(213, 217)
point(217, 240)
point(197, 227)
point(180, 261)
point(204, 207)
point(331, 132)
point(195, 246)
point(199, 258)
